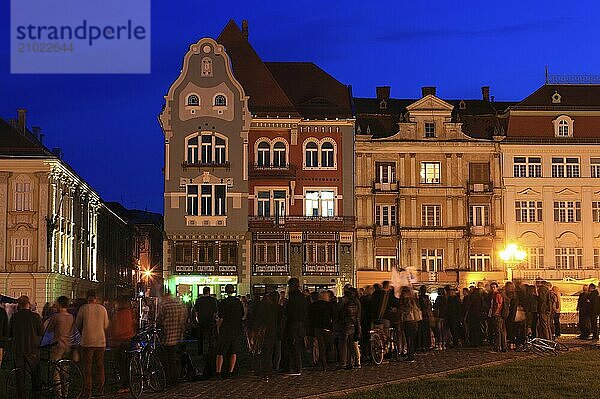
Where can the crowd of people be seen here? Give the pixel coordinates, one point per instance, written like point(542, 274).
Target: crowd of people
point(288, 331)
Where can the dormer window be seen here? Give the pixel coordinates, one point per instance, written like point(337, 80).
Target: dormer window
point(429, 129)
point(563, 126)
point(556, 98)
point(220, 101)
point(193, 100)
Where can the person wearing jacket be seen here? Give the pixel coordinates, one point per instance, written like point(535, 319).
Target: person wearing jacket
point(410, 315)
point(556, 304)
point(321, 315)
point(495, 316)
point(296, 312)
point(594, 310)
point(473, 314)
point(349, 327)
point(583, 308)
point(544, 309)
point(424, 328)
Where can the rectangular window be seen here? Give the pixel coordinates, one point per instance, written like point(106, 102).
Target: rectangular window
point(430, 172)
point(429, 129)
point(480, 262)
point(596, 211)
point(534, 258)
point(206, 200)
point(279, 202)
point(567, 211)
point(527, 167)
point(479, 172)
point(385, 215)
point(320, 257)
point(21, 249)
point(385, 263)
point(319, 203)
point(228, 253)
point(528, 211)
point(569, 258)
point(596, 258)
point(595, 166)
point(431, 215)
point(206, 252)
point(271, 257)
point(264, 203)
point(220, 200)
point(220, 151)
point(432, 260)
point(479, 215)
point(206, 149)
point(23, 197)
point(192, 200)
point(565, 167)
point(386, 172)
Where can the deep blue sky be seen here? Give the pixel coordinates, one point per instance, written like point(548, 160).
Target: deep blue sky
point(107, 124)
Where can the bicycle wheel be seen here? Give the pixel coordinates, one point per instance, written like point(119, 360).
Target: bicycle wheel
point(12, 388)
point(136, 376)
point(376, 348)
point(65, 380)
point(393, 344)
point(155, 373)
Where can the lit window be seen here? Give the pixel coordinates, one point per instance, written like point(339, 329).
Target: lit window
point(21, 249)
point(480, 262)
point(327, 155)
point(264, 154)
point(429, 129)
point(220, 101)
point(430, 172)
point(193, 100)
point(23, 196)
point(319, 203)
point(431, 215)
point(432, 260)
point(279, 155)
point(312, 154)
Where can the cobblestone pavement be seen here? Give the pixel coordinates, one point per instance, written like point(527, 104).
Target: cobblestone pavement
point(314, 383)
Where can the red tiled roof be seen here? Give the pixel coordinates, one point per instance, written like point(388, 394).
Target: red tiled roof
point(583, 96)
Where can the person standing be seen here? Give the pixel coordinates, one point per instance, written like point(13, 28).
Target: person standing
point(474, 310)
point(26, 331)
point(583, 308)
point(122, 330)
point(3, 331)
point(171, 317)
point(497, 321)
point(61, 324)
point(544, 309)
point(321, 316)
point(264, 329)
point(424, 331)
point(230, 330)
point(205, 309)
point(556, 305)
point(92, 322)
point(410, 315)
point(594, 310)
point(296, 312)
point(349, 324)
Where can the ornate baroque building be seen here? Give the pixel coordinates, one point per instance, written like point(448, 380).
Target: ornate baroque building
point(428, 188)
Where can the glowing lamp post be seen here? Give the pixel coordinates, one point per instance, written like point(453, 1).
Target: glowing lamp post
point(512, 255)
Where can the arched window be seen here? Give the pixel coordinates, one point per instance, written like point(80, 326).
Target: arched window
point(563, 128)
point(264, 154)
point(312, 154)
point(192, 150)
point(220, 101)
point(327, 155)
point(193, 100)
point(279, 155)
point(206, 66)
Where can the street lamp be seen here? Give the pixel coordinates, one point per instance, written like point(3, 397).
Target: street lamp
point(512, 255)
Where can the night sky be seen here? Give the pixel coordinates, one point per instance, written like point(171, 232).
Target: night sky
point(107, 125)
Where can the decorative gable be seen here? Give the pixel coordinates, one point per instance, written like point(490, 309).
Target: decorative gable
point(566, 192)
point(430, 103)
point(529, 191)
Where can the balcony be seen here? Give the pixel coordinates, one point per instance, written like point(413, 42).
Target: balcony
point(272, 172)
point(480, 188)
point(212, 269)
point(271, 269)
point(385, 230)
point(319, 223)
point(481, 230)
point(390, 186)
point(186, 165)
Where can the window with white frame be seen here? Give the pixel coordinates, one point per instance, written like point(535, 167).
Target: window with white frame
point(271, 203)
point(23, 196)
point(319, 203)
point(563, 126)
point(385, 215)
point(192, 150)
point(21, 249)
point(263, 156)
point(213, 200)
point(596, 211)
point(429, 129)
point(565, 167)
point(263, 199)
point(193, 100)
point(311, 154)
point(527, 167)
point(432, 260)
point(220, 151)
point(319, 153)
point(385, 263)
point(220, 100)
point(430, 172)
point(480, 262)
point(595, 167)
point(528, 211)
point(327, 155)
point(385, 172)
point(479, 215)
point(279, 203)
point(279, 155)
point(431, 215)
point(212, 148)
point(596, 258)
point(534, 258)
point(567, 211)
point(568, 258)
point(206, 143)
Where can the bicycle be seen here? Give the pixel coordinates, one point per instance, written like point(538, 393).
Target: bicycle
point(62, 379)
point(383, 342)
point(543, 347)
point(145, 368)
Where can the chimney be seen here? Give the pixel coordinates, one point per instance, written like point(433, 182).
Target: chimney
point(21, 119)
point(36, 131)
point(383, 92)
point(485, 93)
point(58, 152)
point(245, 28)
point(426, 90)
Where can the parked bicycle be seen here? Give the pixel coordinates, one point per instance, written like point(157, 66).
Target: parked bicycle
point(145, 368)
point(543, 347)
point(61, 379)
point(383, 342)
